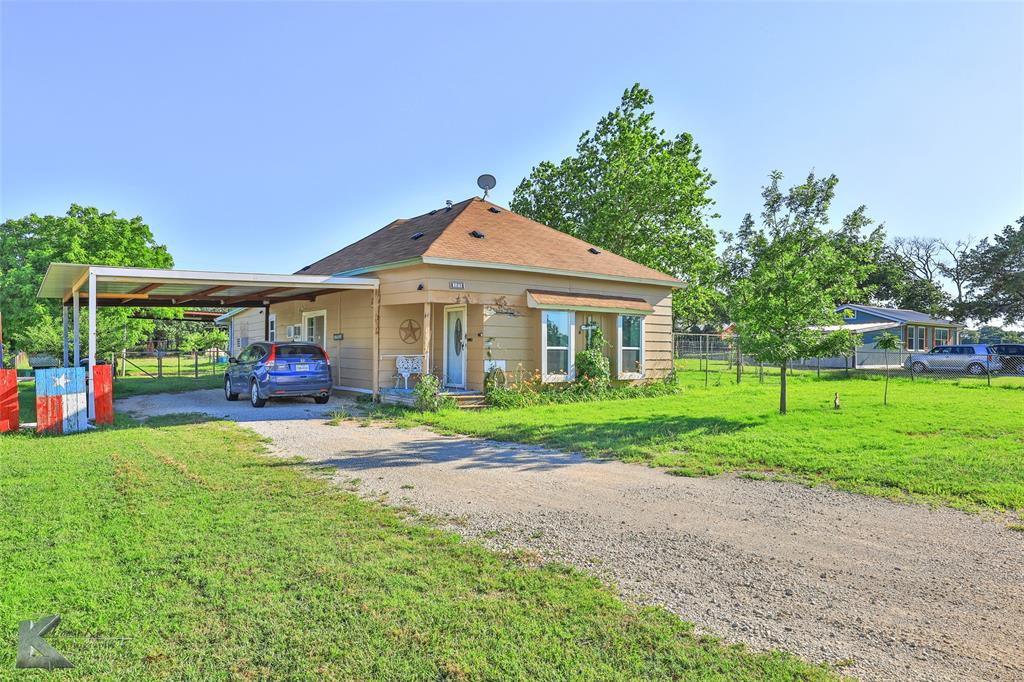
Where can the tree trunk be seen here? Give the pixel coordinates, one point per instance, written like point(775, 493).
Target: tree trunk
point(885, 400)
point(782, 388)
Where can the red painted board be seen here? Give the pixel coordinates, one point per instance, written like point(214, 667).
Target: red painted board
point(9, 411)
point(103, 391)
point(48, 414)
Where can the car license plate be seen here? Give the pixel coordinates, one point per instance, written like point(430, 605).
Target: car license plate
point(303, 367)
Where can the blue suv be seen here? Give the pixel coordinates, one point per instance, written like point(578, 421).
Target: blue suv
point(278, 370)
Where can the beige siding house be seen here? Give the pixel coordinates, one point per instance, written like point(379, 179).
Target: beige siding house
point(469, 287)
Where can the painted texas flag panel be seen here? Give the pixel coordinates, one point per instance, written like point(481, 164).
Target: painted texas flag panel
point(61, 401)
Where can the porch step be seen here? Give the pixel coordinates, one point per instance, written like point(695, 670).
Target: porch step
point(469, 401)
point(465, 400)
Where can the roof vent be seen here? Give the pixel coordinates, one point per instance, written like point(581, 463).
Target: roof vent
point(494, 209)
point(417, 236)
point(448, 205)
point(594, 250)
point(434, 211)
point(477, 234)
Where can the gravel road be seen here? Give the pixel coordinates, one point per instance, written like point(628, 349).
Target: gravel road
point(886, 591)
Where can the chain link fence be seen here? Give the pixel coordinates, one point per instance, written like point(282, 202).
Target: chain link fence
point(718, 356)
point(158, 364)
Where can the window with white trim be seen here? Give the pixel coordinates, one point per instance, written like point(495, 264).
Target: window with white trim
point(558, 339)
point(916, 338)
point(941, 336)
point(631, 346)
point(273, 328)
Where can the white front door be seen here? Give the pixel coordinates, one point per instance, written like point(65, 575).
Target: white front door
point(455, 347)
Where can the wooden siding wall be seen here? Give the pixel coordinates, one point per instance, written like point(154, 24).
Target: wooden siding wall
point(348, 313)
point(496, 309)
point(391, 317)
point(246, 327)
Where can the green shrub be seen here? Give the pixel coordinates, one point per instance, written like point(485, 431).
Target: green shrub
point(593, 368)
point(533, 391)
point(428, 395)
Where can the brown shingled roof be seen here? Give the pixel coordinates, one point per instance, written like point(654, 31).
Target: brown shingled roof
point(509, 239)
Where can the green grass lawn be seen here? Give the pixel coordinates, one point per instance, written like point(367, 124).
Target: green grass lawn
point(123, 388)
point(174, 551)
point(949, 442)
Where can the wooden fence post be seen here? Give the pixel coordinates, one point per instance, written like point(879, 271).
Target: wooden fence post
point(104, 392)
point(9, 414)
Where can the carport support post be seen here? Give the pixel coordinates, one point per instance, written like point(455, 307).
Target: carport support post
point(266, 325)
point(64, 317)
point(375, 379)
point(92, 343)
point(76, 305)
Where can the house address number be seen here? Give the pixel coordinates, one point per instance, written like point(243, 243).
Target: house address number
point(456, 284)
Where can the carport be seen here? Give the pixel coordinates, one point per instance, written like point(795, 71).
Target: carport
point(105, 286)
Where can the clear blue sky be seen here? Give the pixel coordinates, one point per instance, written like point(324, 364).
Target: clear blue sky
point(258, 136)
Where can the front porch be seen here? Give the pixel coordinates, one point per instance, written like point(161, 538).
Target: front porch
point(467, 400)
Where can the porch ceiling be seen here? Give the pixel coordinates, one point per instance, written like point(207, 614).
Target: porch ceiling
point(151, 287)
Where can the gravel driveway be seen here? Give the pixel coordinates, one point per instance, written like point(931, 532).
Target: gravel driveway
point(888, 591)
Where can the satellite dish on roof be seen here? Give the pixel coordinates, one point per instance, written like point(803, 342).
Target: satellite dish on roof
point(486, 182)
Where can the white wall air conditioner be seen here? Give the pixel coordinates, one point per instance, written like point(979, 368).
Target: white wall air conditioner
point(294, 332)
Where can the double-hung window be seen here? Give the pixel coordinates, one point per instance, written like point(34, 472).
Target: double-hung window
point(273, 328)
point(941, 336)
point(558, 336)
point(916, 338)
point(631, 346)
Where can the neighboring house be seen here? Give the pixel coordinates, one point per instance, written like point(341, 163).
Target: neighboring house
point(468, 287)
point(918, 331)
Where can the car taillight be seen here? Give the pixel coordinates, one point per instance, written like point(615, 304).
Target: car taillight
point(327, 358)
point(272, 356)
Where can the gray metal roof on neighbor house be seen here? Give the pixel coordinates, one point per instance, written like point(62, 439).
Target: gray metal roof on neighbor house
point(900, 314)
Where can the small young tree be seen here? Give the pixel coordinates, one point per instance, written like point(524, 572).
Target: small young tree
point(791, 277)
point(887, 342)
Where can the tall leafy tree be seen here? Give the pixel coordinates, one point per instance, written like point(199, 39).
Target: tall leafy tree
point(792, 276)
point(635, 190)
point(921, 287)
point(956, 267)
point(997, 275)
point(83, 235)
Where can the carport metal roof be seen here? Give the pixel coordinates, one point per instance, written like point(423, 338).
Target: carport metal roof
point(104, 285)
point(152, 287)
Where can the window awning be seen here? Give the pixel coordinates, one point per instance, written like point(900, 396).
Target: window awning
point(598, 303)
point(153, 287)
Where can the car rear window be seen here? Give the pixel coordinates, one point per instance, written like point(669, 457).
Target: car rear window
point(304, 350)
